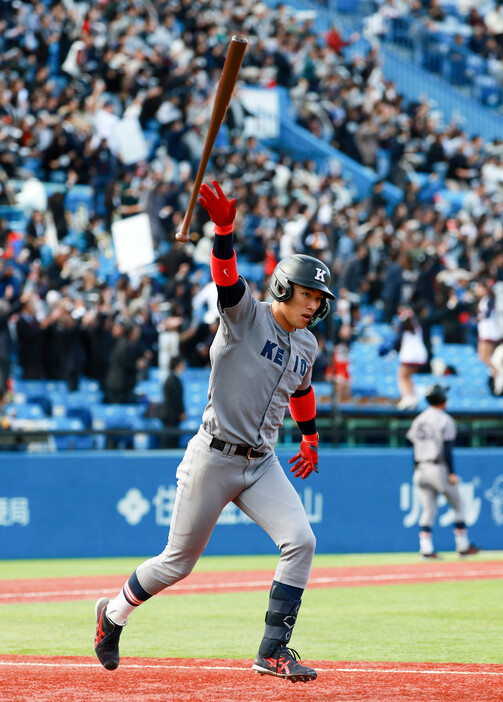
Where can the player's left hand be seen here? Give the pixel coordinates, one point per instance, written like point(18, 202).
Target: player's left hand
point(307, 458)
point(221, 211)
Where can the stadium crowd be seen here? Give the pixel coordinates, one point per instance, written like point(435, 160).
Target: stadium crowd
point(71, 71)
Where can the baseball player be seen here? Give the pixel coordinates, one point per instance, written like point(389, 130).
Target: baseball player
point(261, 361)
point(432, 435)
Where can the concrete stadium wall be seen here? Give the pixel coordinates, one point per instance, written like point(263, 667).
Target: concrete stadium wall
point(120, 504)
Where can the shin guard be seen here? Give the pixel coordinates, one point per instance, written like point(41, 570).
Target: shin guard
point(280, 618)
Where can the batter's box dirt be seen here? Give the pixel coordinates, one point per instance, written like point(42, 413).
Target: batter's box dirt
point(65, 679)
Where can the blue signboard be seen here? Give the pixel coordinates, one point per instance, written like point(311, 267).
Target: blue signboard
point(120, 504)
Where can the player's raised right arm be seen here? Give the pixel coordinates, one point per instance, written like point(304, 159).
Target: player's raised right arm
point(223, 257)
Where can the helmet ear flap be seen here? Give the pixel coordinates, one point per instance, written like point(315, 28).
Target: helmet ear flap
point(321, 313)
point(281, 290)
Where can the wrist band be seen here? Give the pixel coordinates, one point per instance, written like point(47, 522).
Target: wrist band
point(224, 229)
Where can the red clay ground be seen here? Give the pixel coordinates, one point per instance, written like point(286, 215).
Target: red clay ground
point(59, 589)
point(23, 679)
point(65, 679)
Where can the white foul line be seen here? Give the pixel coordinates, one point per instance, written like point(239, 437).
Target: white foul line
point(334, 580)
point(175, 666)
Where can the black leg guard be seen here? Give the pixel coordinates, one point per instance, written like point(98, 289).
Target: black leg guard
point(280, 618)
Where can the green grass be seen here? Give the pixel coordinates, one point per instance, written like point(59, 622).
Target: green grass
point(76, 567)
point(450, 622)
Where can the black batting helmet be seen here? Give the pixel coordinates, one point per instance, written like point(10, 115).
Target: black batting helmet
point(436, 394)
point(306, 271)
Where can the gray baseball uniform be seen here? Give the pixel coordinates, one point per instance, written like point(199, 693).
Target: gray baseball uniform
point(259, 368)
point(428, 433)
point(256, 366)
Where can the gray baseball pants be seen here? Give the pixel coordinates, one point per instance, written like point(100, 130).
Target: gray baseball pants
point(207, 481)
point(431, 479)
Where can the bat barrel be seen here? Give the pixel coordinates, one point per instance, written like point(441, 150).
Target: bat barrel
point(223, 96)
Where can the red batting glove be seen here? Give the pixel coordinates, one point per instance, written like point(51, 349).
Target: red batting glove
point(307, 457)
point(220, 210)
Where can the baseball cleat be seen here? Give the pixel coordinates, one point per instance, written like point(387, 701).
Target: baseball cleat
point(472, 550)
point(284, 663)
point(106, 640)
point(430, 556)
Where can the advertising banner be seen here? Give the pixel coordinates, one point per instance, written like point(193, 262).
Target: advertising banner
point(85, 504)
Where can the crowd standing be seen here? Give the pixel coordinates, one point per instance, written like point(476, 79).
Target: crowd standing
point(72, 72)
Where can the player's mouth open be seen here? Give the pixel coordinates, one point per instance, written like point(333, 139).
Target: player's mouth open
point(307, 317)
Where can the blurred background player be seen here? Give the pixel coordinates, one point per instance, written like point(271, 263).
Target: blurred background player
point(432, 435)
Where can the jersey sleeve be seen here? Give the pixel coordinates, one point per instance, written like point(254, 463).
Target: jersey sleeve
point(450, 432)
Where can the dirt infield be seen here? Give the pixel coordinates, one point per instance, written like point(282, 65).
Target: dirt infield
point(60, 589)
point(82, 679)
point(23, 679)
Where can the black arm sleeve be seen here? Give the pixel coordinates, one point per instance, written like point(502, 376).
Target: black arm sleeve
point(448, 446)
point(308, 427)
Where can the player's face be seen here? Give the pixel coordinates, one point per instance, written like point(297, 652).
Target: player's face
point(298, 311)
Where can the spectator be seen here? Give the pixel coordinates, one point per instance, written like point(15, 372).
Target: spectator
point(352, 277)
point(35, 234)
point(29, 341)
point(392, 284)
point(488, 332)
point(335, 41)
point(173, 406)
point(9, 306)
point(496, 380)
point(412, 356)
point(125, 361)
point(493, 20)
point(54, 122)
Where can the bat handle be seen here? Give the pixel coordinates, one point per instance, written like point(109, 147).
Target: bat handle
point(183, 233)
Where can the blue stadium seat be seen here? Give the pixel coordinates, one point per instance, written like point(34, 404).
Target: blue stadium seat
point(149, 389)
point(195, 396)
point(190, 427)
point(82, 413)
point(43, 400)
point(115, 416)
point(12, 213)
point(24, 411)
point(116, 412)
point(156, 374)
point(196, 374)
point(66, 442)
point(324, 393)
point(142, 440)
point(89, 385)
point(39, 387)
point(253, 272)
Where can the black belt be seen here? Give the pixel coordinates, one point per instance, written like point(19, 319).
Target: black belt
point(247, 451)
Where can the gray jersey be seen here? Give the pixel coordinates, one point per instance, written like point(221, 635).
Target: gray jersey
point(256, 366)
point(428, 433)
